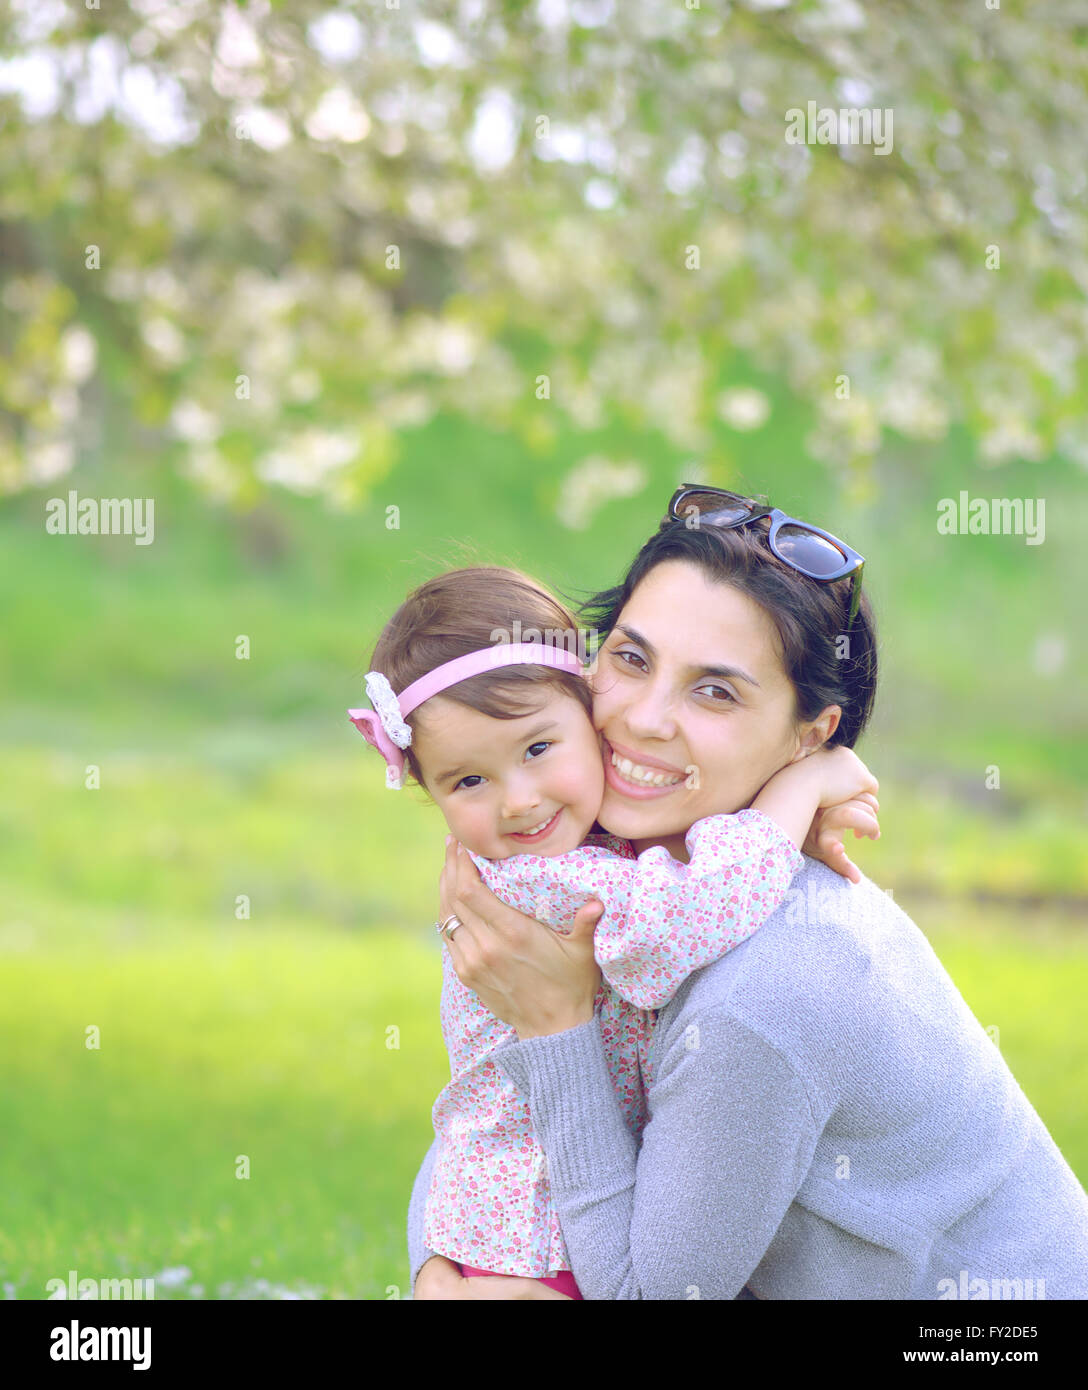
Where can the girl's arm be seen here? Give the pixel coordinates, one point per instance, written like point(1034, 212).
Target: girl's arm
point(664, 919)
point(667, 919)
point(795, 794)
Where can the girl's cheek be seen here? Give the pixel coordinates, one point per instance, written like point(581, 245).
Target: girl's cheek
point(586, 783)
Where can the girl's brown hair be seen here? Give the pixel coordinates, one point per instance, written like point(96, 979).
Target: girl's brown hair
point(464, 610)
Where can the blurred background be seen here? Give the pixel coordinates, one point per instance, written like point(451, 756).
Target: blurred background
point(357, 294)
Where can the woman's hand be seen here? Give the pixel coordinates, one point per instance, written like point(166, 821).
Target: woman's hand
point(825, 837)
point(442, 1279)
point(530, 976)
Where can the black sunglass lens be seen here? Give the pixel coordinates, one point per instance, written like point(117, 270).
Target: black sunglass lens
point(809, 552)
point(712, 510)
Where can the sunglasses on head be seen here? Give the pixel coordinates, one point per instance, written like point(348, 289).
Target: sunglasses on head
point(812, 552)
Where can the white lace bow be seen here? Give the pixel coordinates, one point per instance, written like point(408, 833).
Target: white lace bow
point(387, 707)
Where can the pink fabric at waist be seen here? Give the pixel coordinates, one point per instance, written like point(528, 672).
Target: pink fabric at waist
point(562, 1280)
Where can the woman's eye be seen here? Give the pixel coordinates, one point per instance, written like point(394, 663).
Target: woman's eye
point(545, 744)
point(634, 654)
point(719, 690)
point(730, 698)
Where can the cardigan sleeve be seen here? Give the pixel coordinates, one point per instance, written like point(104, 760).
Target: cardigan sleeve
point(690, 1213)
point(418, 1254)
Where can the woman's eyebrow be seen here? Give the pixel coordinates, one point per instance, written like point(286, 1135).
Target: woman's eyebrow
point(524, 738)
point(727, 672)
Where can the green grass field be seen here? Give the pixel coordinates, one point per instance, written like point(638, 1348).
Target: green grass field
point(273, 1044)
point(269, 1037)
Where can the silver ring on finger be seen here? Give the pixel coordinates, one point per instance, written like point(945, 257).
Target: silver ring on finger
point(450, 925)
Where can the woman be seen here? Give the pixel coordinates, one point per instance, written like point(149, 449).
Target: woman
point(828, 1119)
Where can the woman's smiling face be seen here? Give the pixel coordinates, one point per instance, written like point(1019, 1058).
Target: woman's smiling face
point(714, 736)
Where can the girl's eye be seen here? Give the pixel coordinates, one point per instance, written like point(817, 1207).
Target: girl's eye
point(475, 777)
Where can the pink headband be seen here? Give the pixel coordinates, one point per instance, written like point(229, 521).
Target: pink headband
point(386, 728)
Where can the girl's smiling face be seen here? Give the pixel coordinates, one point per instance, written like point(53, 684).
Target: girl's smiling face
point(690, 686)
point(492, 778)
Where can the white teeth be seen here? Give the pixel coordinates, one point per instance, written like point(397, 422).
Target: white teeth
point(647, 776)
point(535, 828)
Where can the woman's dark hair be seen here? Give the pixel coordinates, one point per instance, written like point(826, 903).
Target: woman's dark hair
point(825, 664)
point(464, 610)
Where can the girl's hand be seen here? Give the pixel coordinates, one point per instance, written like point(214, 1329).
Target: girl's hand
point(843, 776)
point(530, 976)
point(797, 793)
point(829, 827)
point(441, 1279)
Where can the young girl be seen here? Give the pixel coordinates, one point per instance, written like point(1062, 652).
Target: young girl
point(459, 687)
